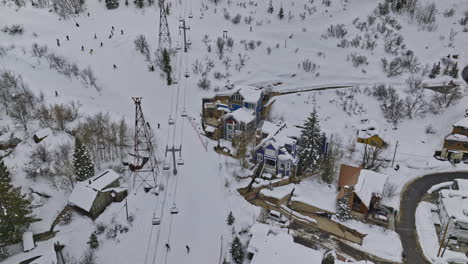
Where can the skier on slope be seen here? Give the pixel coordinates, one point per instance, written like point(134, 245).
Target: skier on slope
point(168, 247)
point(188, 248)
point(58, 42)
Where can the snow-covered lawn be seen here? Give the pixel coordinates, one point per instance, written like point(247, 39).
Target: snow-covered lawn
point(428, 240)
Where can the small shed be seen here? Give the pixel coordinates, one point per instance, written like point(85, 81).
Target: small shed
point(28, 241)
point(92, 196)
point(41, 134)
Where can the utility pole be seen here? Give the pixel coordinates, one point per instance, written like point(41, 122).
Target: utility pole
point(365, 155)
point(290, 207)
point(443, 238)
point(174, 150)
point(126, 207)
point(183, 27)
point(394, 154)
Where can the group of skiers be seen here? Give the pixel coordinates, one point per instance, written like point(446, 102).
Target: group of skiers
point(168, 247)
point(95, 37)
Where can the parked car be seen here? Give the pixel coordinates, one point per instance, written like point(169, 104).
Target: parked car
point(277, 216)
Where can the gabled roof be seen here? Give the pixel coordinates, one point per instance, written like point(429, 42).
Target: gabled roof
point(242, 115)
point(370, 184)
point(85, 192)
point(349, 175)
point(249, 93)
point(456, 204)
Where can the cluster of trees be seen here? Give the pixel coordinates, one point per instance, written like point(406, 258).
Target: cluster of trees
point(450, 68)
point(68, 8)
point(312, 153)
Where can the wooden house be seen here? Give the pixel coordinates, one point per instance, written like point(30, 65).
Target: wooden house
point(456, 144)
point(363, 188)
point(276, 150)
point(92, 196)
point(228, 114)
point(370, 134)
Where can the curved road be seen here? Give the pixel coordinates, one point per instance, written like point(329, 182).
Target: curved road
point(411, 196)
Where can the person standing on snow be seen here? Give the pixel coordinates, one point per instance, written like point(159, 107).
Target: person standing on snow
point(58, 42)
point(188, 248)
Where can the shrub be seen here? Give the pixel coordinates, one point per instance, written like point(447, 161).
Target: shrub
point(204, 83)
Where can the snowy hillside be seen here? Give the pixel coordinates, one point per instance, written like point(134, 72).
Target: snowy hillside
point(87, 64)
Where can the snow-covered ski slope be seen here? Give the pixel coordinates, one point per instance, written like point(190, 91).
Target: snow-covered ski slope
point(201, 197)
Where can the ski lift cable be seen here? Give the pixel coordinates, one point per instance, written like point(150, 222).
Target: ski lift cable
point(151, 232)
point(162, 217)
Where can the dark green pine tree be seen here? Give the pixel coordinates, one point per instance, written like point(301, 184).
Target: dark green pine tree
point(343, 212)
point(236, 251)
point(84, 167)
point(329, 259)
point(281, 13)
point(112, 4)
point(230, 219)
point(15, 209)
point(93, 241)
point(167, 68)
point(310, 144)
point(454, 71)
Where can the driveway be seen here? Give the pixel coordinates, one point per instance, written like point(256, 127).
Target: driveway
point(410, 198)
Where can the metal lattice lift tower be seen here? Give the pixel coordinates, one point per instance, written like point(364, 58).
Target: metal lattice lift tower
point(144, 168)
point(165, 41)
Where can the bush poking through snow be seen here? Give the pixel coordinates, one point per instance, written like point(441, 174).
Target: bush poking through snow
point(93, 241)
point(429, 129)
point(39, 51)
point(237, 19)
point(15, 29)
point(390, 190)
point(204, 83)
point(88, 257)
point(445, 97)
point(67, 8)
point(357, 60)
point(335, 31)
point(141, 45)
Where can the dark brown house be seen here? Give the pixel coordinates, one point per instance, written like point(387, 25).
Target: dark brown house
point(456, 144)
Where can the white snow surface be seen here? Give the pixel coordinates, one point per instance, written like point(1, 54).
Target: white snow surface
point(280, 249)
point(439, 186)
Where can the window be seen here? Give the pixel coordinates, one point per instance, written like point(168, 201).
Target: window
point(270, 162)
point(237, 97)
point(450, 143)
point(259, 157)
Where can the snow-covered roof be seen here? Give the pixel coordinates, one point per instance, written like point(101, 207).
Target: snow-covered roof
point(102, 180)
point(210, 129)
point(242, 115)
point(269, 127)
point(43, 133)
point(286, 156)
point(85, 192)
point(368, 129)
point(455, 203)
point(462, 123)
point(28, 241)
point(259, 234)
point(83, 196)
point(281, 249)
point(370, 183)
point(249, 93)
point(457, 137)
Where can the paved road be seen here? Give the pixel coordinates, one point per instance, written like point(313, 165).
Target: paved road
point(412, 195)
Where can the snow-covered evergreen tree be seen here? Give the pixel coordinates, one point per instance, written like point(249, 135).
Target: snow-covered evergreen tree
point(167, 68)
point(15, 209)
point(343, 212)
point(112, 4)
point(281, 13)
point(230, 219)
point(93, 242)
point(236, 251)
point(310, 144)
point(84, 167)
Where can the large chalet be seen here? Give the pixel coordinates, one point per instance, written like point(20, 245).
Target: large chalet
point(456, 143)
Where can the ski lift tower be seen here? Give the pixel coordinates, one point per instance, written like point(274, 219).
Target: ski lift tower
point(165, 41)
point(144, 168)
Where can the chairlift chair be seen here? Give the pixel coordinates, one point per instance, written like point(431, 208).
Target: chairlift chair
point(174, 81)
point(180, 161)
point(166, 166)
point(174, 209)
point(156, 220)
point(171, 120)
point(184, 113)
point(190, 15)
point(189, 42)
point(156, 190)
point(187, 74)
